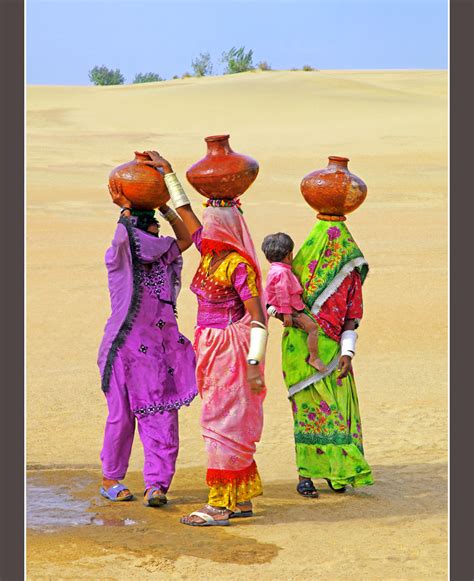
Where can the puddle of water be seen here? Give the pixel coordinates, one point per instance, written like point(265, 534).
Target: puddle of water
point(52, 507)
point(113, 522)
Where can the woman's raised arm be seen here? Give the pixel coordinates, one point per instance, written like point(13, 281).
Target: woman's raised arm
point(175, 189)
point(183, 237)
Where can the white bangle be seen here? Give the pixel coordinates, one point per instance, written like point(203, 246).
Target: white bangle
point(272, 311)
point(176, 192)
point(348, 341)
point(170, 216)
point(258, 344)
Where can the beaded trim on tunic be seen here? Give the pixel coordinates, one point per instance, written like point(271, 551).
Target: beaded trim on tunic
point(152, 409)
point(135, 303)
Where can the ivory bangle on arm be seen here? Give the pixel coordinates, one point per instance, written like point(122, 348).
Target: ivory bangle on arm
point(176, 192)
point(170, 216)
point(348, 341)
point(258, 344)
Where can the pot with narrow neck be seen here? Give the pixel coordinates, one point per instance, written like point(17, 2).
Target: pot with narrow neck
point(333, 191)
point(222, 173)
point(143, 185)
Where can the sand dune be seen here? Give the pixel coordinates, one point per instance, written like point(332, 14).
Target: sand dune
point(393, 126)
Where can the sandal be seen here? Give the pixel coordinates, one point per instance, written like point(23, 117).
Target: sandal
point(241, 513)
point(113, 492)
point(307, 489)
point(151, 499)
point(338, 490)
point(209, 521)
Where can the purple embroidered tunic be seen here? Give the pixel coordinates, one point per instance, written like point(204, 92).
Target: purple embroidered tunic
point(156, 361)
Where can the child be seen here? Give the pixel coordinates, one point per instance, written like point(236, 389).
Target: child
point(283, 292)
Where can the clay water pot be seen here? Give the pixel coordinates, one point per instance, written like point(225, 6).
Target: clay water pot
point(143, 185)
point(333, 191)
point(223, 173)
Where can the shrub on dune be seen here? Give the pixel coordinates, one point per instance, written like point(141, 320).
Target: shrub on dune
point(237, 60)
point(105, 76)
point(202, 65)
point(147, 78)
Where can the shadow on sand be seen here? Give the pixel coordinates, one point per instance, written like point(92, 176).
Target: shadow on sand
point(65, 504)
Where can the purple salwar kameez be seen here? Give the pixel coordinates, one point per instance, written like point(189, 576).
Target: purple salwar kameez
point(147, 365)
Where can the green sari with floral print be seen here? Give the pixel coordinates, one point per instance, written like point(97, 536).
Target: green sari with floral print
point(327, 426)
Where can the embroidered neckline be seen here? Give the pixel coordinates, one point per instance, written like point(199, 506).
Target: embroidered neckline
point(153, 279)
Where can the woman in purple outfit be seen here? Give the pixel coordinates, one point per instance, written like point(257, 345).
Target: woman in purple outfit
point(147, 366)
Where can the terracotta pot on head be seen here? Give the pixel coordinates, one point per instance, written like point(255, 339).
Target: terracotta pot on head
point(222, 173)
point(143, 185)
point(333, 191)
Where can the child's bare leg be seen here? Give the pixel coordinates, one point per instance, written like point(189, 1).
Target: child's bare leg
point(307, 324)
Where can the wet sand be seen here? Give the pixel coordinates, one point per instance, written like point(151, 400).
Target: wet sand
point(393, 127)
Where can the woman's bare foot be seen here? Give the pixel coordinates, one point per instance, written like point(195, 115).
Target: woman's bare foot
point(216, 513)
point(107, 483)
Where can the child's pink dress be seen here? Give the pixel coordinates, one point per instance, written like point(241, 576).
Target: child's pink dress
point(283, 290)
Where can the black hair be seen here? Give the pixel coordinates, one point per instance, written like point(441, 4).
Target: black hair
point(143, 219)
point(277, 246)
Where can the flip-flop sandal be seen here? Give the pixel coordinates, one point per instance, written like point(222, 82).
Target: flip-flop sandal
point(241, 513)
point(209, 521)
point(307, 489)
point(113, 492)
point(338, 490)
point(154, 500)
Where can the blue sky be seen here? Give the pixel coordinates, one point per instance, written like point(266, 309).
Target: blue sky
point(66, 38)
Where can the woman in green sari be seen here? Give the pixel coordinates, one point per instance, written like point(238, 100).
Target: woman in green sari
point(327, 425)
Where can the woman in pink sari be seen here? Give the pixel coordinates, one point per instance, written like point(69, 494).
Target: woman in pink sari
point(230, 344)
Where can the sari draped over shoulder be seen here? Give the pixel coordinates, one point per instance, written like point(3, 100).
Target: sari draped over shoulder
point(231, 415)
point(327, 426)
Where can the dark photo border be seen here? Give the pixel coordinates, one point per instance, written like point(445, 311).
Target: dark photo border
point(461, 291)
point(12, 94)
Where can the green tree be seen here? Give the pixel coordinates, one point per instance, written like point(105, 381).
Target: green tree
point(147, 78)
point(104, 76)
point(202, 65)
point(237, 60)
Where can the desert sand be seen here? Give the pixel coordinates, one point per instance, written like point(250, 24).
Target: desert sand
point(393, 127)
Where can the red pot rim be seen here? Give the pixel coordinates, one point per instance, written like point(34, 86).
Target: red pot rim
point(212, 138)
point(338, 158)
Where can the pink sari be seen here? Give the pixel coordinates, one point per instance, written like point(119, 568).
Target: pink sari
point(232, 416)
